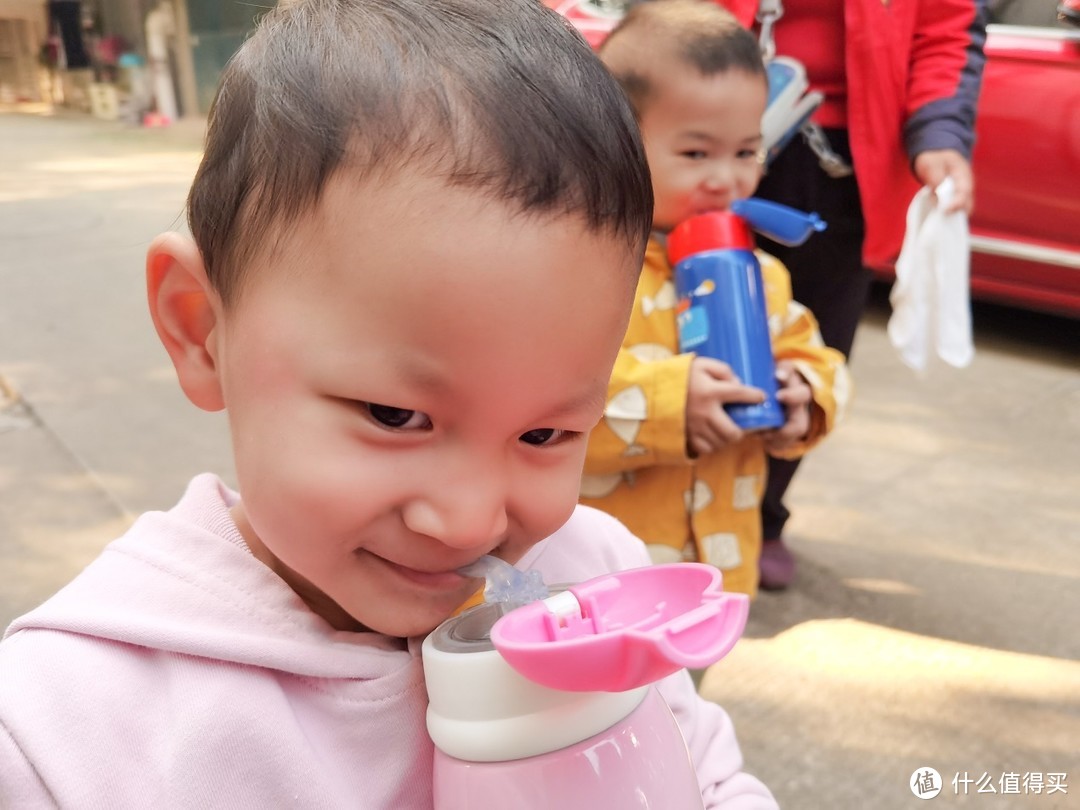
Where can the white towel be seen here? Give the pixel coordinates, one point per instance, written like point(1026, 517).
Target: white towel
point(930, 299)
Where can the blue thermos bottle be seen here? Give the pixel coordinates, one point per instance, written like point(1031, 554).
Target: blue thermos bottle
point(721, 297)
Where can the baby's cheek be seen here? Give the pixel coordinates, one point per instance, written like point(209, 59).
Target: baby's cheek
point(551, 501)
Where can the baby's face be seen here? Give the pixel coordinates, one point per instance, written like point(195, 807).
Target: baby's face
point(703, 140)
point(409, 382)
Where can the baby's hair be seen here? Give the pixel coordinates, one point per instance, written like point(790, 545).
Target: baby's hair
point(697, 33)
point(504, 97)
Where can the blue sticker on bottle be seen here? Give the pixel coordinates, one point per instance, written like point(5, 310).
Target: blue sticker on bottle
point(693, 327)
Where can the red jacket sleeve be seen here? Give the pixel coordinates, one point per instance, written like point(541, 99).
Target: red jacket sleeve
point(946, 65)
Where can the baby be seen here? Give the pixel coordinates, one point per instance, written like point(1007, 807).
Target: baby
point(417, 229)
point(667, 460)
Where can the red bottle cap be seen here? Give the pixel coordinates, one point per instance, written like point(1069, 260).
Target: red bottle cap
point(717, 230)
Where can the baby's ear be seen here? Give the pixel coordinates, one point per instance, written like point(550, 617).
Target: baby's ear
point(185, 310)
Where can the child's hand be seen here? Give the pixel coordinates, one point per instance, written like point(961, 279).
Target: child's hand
point(795, 395)
point(713, 384)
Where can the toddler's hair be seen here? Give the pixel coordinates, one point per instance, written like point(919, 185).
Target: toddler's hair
point(504, 97)
point(697, 33)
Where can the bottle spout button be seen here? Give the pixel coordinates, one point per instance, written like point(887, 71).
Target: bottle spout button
point(625, 630)
point(781, 223)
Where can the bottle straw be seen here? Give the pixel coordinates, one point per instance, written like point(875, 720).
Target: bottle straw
point(506, 585)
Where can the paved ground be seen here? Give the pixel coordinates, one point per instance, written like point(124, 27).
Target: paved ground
point(935, 621)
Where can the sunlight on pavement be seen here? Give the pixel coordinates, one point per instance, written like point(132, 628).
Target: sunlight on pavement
point(14, 414)
point(59, 178)
point(126, 164)
point(885, 586)
point(42, 108)
point(837, 525)
point(889, 693)
point(38, 564)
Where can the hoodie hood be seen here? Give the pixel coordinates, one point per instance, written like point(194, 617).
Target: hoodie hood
point(184, 581)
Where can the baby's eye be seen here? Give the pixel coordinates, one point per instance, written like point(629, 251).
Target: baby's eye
point(545, 437)
point(751, 156)
point(398, 418)
point(695, 154)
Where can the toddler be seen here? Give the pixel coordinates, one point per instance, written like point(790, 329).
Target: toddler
point(666, 459)
point(417, 228)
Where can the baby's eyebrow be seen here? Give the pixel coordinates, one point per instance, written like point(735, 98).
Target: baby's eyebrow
point(417, 372)
point(586, 401)
point(700, 136)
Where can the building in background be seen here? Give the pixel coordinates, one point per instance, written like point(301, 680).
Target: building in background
point(217, 28)
point(23, 26)
point(163, 56)
point(204, 35)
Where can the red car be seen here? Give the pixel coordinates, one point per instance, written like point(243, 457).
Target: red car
point(1025, 231)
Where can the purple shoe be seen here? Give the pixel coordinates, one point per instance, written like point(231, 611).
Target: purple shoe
point(776, 566)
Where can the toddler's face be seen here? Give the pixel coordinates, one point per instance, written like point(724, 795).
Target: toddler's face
point(409, 384)
point(703, 140)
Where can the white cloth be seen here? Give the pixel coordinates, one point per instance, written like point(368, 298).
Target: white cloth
point(931, 300)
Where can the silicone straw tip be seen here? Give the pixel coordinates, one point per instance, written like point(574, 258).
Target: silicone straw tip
point(506, 585)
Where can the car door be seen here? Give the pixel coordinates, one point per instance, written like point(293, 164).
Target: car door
point(1026, 225)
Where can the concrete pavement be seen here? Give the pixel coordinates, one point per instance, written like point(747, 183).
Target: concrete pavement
point(935, 619)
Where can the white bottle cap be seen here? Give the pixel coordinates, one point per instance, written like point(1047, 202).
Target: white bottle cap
point(482, 710)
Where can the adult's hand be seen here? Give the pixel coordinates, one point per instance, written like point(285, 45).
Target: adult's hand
point(934, 165)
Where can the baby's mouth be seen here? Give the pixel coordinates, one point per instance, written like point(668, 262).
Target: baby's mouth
point(440, 579)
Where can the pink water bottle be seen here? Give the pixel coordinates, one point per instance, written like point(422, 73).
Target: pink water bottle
point(552, 705)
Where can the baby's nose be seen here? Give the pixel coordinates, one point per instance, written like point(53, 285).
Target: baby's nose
point(471, 515)
point(718, 178)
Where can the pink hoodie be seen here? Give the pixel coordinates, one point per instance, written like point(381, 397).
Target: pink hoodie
point(178, 671)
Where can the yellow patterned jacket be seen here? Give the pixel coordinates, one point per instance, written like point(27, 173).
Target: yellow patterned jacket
point(638, 468)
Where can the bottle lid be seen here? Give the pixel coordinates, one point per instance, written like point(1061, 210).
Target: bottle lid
point(716, 230)
point(480, 709)
point(781, 223)
point(623, 631)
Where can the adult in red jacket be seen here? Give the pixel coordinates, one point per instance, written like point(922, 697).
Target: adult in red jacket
point(901, 81)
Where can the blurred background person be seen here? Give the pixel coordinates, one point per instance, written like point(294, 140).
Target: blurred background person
point(901, 82)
